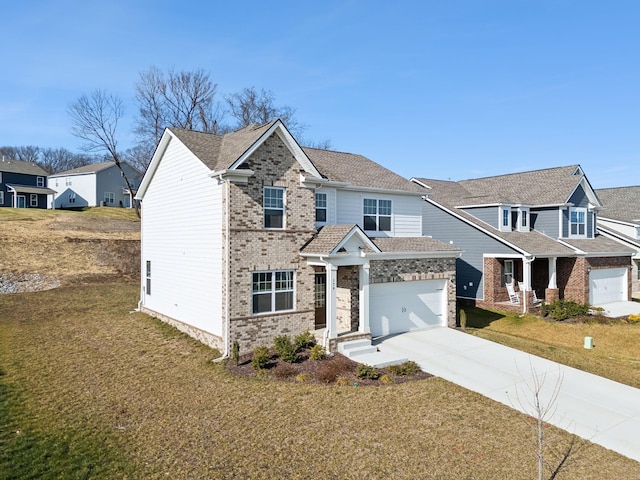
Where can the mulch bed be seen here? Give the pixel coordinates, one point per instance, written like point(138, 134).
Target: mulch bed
point(336, 369)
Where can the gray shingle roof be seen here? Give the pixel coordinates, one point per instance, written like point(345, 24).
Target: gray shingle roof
point(91, 168)
point(538, 187)
point(18, 166)
point(327, 239)
point(599, 245)
point(622, 203)
point(219, 152)
point(413, 244)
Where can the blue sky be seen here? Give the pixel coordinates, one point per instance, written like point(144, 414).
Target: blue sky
point(442, 89)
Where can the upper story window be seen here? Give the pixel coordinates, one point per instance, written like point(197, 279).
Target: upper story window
point(377, 215)
point(523, 219)
point(272, 291)
point(273, 207)
point(578, 222)
point(0, 177)
point(321, 207)
point(40, 181)
point(637, 232)
point(67, 182)
point(505, 219)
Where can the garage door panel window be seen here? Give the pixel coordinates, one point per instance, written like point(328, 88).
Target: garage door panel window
point(376, 215)
point(272, 291)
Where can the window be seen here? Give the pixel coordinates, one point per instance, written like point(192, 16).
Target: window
point(377, 215)
point(505, 217)
point(109, 198)
point(148, 277)
point(1, 197)
point(72, 198)
point(33, 200)
point(67, 182)
point(507, 274)
point(40, 181)
point(523, 218)
point(321, 207)
point(0, 177)
point(272, 291)
point(577, 222)
point(273, 207)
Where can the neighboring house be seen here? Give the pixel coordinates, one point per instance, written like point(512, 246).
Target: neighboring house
point(620, 220)
point(537, 228)
point(98, 184)
point(231, 249)
point(23, 185)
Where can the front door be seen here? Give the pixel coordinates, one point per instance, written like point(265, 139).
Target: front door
point(22, 201)
point(320, 296)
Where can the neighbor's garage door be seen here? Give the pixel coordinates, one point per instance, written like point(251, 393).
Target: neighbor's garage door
point(607, 285)
point(402, 306)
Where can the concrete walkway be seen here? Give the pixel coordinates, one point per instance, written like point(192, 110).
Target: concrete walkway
point(594, 408)
point(620, 309)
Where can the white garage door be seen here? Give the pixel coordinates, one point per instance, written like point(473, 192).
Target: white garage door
point(402, 306)
point(607, 285)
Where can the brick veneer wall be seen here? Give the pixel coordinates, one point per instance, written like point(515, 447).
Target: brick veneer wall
point(407, 270)
point(253, 248)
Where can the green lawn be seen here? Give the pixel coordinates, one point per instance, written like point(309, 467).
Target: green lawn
point(91, 390)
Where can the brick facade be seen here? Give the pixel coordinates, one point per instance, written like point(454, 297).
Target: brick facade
point(348, 298)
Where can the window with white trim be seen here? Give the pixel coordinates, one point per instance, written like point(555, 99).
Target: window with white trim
point(507, 272)
point(67, 182)
point(0, 177)
point(321, 207)
point(40, 181)
point(109, 198)
point(273, 206)
point(148, 278)
point(1, 197)
point(72, 197)
point(272, 291)
point(377, 215)
point(578, 222)
point(33, 199)
point(505, 219)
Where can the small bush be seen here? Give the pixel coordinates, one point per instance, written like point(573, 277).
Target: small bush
point(284, 370)
point(405, 369)
point(261, 357)
point(386, 379)
point(316, 353)
point(342, 381)
point(304, 340)
point(285, 349)
point(367, 371)
point(330, 369)
point(235, 349)
point(634, 318)
point(303, 377)
point(563, 309)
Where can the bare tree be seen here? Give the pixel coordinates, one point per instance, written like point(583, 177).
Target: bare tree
point(27, 153)
point(252, 106)
point(95, 119)
point(56, 160)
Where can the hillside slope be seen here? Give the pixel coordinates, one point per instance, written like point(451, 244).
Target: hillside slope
point(42, 249)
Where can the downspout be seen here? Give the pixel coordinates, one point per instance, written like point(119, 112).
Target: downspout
point(524, 295)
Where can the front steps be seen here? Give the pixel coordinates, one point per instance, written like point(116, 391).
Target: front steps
point(362, 351)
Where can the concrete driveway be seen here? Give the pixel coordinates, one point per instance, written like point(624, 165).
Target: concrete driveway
point(595, 408)
point(620, 309)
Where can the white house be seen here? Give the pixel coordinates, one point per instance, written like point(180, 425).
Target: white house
point(98, 184)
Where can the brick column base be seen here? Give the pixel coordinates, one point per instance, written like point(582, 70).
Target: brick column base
point(551, 295)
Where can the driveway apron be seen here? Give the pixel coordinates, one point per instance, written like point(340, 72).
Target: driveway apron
point(594, 408)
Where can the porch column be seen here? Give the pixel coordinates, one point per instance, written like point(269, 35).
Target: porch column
point(332, 279)
point(363, 326)
point(552, 272)
point(526, 273)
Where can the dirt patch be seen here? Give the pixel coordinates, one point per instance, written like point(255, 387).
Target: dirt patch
point(27, 282)
point(336, 369)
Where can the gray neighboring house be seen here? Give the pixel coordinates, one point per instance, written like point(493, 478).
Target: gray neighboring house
point(98, 184)
point(535, 230)
point(23, 185)
point(620, 221)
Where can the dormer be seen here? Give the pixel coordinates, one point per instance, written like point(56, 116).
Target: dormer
point(523, 219)
point(504, 218)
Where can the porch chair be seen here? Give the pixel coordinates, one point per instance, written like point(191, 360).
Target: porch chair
point(536, 301)
point(513, 295)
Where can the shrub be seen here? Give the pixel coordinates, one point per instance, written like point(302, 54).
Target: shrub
point(316, 353)
point(386, 379)
point(367, 371)
point(285, 349)
point(303, 377)
point(261, 357)
point(304, 340)
point(235, 352)
point(330, 369)
point(634, 318)
point(343, 381)
point(563, 309)
point(405, 369)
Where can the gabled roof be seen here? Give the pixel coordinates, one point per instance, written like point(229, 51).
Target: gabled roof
point(622, 203)
point(227, 152)
point(550, 186)
point(26, 168)
point(330, 237)
point(88, 169)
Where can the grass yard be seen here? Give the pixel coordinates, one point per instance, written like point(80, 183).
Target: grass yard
point(616, 352)
point(91, 390)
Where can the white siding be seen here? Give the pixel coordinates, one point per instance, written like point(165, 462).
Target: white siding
point(182, 218)
point(83, 186)
point(627, 230)
point(406, 212)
